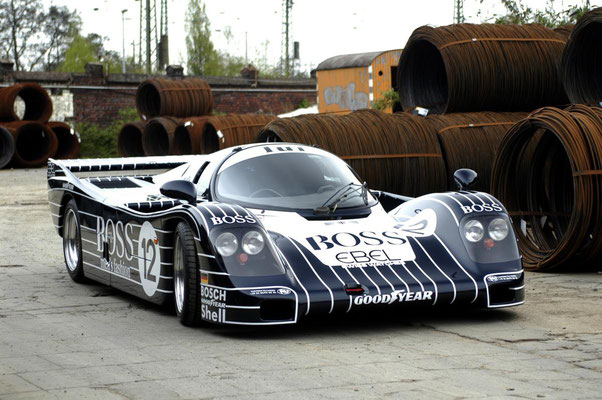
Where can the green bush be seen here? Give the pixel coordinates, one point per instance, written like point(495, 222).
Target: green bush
point(101, 142)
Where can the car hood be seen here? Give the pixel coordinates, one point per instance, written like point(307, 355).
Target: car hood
point(378, 239)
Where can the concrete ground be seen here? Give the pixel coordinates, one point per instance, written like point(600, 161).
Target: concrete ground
point(59, 339)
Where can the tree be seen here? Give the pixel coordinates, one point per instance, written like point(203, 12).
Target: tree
point(202, 57)
point(83, 50)
point(32, 37)
point(60, 28)
point(518, 13)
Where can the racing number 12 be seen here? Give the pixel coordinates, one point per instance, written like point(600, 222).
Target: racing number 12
point(147, 246)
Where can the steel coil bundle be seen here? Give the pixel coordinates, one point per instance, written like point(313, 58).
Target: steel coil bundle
point(565, 30)
point(188, 135)
point(7, 147)
point(158, 134)
point(467, 67)
point(68, 140)
point(175, 98)
point(582, 60)
point(548, 174)
point(398, 153)
point(471, 140)
point(221, 131)
point(38, 105)
point(34, 143)
point(129, 139)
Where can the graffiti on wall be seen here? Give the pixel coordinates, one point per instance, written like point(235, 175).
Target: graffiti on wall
point(346, 98)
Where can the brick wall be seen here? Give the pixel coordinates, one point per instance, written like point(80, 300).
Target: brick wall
point(97, 98)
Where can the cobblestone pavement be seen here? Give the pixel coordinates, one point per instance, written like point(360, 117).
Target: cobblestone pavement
point(62, 340)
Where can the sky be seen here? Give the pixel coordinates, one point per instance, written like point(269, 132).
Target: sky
point(324, 28)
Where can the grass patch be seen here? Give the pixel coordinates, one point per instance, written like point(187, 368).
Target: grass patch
point(101, 142)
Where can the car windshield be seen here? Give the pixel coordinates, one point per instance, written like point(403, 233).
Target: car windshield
point(291, 180)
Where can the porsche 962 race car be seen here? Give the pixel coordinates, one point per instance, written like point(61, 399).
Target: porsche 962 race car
point(271, 233)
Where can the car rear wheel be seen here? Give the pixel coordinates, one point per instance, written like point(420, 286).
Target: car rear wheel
point(72, 242)
point(187, 285)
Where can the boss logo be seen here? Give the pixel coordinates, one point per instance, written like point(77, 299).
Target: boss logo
point(478, 208)
point(346, 239)
point(238, 219)
point(120, 236)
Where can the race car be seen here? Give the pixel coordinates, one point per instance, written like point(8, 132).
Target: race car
point(271, 233)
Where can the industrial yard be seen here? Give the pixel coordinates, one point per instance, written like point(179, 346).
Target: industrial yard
point(59, 339)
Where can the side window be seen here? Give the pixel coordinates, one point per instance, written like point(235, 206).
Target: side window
point(203, 178)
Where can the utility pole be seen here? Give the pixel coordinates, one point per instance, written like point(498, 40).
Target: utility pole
point(148, 37)
point(123, 40)
point(288, 6)
point(163, 46)
point(458, 11)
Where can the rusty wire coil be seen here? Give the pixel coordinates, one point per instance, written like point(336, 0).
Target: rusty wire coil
point(38, 105)
point(467, 67)
point(582, 61)
point(548, 174)
point(129, 139)
point(175, 98)
point(157, 137)
point(470, 140)
point(188, 135)
point(398, 153)
point(7, 147)
point(68, 140)
point(565, 30)
point(35, 143)
point(223, 131)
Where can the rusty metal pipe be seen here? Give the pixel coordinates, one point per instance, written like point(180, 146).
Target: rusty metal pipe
point(7, 147)
point(69, 141)
point(188, 135)
point(548, 174)
point(157, 137)
point(582, 61)
point(175, 98)
point(129, 139)
point(38, 105)
point(230, 130)
point(466, 67)
point(34, 143)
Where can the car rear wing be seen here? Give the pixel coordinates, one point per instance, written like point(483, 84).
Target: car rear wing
point(117, 165)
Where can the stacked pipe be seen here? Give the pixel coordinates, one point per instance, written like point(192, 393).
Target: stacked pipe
point(582, 61)
point(403, 153)
point(471, 140)
point(548, 174)
point(399, 153)
point(221, 131)
point(28, 140)
point(175, 119)
point(467, 67)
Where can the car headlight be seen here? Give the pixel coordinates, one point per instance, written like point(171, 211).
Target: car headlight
point(252, 242)
point(473, 231)
point(498, 229)
point(226, 244)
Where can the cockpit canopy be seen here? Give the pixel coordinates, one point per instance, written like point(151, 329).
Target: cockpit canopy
point(288, 177)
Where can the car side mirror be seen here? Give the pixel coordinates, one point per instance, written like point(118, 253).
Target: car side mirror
point(464, 177)
point(180, 189)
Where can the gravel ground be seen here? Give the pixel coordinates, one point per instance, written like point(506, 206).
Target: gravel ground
point(62, 340)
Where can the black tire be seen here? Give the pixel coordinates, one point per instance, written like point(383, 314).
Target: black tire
point(187, 284)
point(72, 243)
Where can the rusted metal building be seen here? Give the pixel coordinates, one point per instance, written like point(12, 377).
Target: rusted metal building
point(355, 81)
